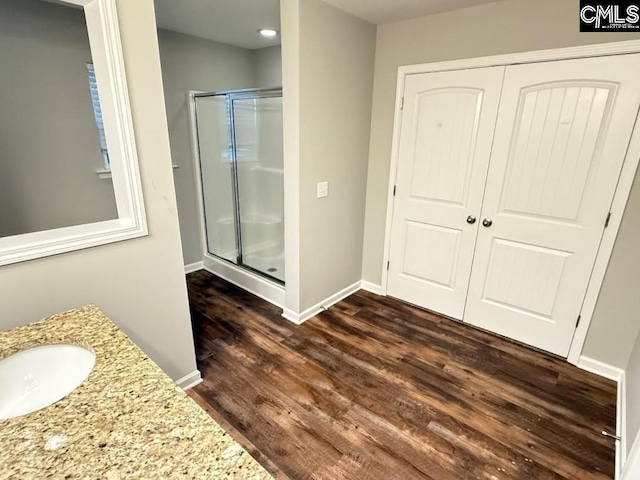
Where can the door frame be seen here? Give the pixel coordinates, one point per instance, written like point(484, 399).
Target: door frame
point(623, 188)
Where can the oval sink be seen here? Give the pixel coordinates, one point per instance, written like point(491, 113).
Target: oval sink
point(36, 378)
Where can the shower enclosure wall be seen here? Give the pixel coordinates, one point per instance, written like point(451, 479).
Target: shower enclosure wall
point(238, 143)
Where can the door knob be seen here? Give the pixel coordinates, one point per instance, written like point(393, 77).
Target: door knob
point(487, 222)
point(471, 219)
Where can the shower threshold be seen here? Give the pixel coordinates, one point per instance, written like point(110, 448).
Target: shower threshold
point(264, 285)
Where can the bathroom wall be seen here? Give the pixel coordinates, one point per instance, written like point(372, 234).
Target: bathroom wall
point(335, 89)
point(632, 399)
point(491, 29)
point(616, 324)
point(290, 24)
point(268, 64)
point(138, 283)
point(191, 63)
point(49, 149)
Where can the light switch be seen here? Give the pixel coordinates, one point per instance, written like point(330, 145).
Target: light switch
point(323, 189)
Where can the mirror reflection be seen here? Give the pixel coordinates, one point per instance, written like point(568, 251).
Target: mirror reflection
point(52, 141)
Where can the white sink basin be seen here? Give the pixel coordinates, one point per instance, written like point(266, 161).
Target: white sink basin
point(36, 378)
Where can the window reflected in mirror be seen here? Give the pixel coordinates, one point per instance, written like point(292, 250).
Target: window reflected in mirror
point(52, 141)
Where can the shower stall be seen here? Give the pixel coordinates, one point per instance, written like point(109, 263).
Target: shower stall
point(239, 164)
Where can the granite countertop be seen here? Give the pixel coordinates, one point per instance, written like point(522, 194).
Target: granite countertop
point(126, 421)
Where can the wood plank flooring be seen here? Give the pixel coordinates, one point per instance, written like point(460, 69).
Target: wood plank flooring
point(377, 389)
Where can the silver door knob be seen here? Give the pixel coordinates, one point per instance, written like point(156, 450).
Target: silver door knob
point(487, 222)
point(471, 219)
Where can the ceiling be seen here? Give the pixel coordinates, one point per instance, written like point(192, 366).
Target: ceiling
point(235, 22)
point(385, 11)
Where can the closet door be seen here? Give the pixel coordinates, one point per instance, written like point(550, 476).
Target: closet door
point(447, 130)
point(560, 141)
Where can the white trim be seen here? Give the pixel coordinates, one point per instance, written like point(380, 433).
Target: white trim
point(106, 51)
point(106, 174)
point(393, 171)
point(371, 287)
point(600, 368)
point(300, 318)
point(622, 191)
point(536, 56)
point(189, 381)
point(245, 279)
point(193, 267)
point(621, 425)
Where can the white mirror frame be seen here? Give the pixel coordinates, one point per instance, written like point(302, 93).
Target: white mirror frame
point(106, 50)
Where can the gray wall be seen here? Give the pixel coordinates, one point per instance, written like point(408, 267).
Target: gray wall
point(268, 67)
point(616, 322)
point(632, 399)
point(49, 150)
point(138, 283)
point(335, 88)
point(290, 25)
point(491, 29)
point(192, 63)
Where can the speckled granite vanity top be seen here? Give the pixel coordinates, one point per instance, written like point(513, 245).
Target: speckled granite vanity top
point(128, 419)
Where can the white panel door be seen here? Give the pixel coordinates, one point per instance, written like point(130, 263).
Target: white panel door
point(560, 141)
point(447, 129)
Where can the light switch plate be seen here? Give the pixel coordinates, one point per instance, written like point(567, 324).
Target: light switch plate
point(323, 189)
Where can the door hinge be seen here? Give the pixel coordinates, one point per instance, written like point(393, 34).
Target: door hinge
point(394, 190)
point(578, 322)
point(388, 263)
point(402, 103)
point(606, 222)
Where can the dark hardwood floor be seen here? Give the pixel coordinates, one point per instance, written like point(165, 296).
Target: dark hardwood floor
point(377, 389)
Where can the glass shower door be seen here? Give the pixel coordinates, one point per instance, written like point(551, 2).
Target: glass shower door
point(242, 177)
point(217, 175)
point(258, 140)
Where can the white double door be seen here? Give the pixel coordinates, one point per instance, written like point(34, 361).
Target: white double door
point(504, 183)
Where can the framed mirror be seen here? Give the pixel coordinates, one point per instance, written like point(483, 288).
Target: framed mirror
point(69, 176)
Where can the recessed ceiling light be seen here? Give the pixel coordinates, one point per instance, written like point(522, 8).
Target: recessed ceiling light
point(268, 32)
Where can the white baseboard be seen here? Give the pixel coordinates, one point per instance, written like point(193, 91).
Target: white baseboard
point(189, 381)
point(600, 368)
point(617, 375)
point(621, 426)
point(193, 267)
point(300, 318)
point(249, 281)
point(371, 287)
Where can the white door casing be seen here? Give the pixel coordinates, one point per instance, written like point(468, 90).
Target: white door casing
point(560, 142)
point(447, 128)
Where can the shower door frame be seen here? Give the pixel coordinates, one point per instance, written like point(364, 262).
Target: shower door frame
point(230, 97)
